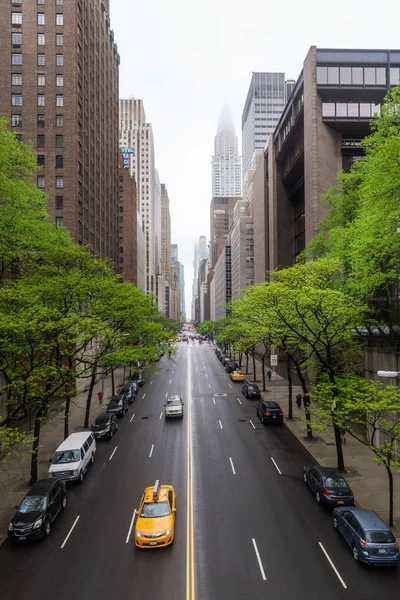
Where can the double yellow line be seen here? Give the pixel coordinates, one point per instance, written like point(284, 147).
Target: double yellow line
point(190, 584)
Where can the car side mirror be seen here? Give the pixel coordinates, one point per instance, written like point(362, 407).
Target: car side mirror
point(50, 460)
point(16, 507)
point(136, 512)
point(174, 510)
point(183, 404)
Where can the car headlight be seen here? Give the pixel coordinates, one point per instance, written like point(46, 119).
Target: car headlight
point(51, 474)
point(38, 523)
point(76, 472)
point(139, 534)
point(10, 527)
point(167, 531)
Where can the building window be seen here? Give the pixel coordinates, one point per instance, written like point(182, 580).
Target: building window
point(394, 75)
point(59, 202)
point(41, 100)
point(16, 120)
point(40, 181)
point(41, 19)
point(59, 2)
point(59, 39)
point(357, 75)
point(369, 76)
point(16, 39)
point(16, 18)
point(59, 141)
point(59, 182)
point(59, 60)
point(41, 39)
point(59, 222)
point(41, 160)
point(59, 80)
point(40, 141)
point(59, 100)
point(59, 19)
point(59, 120)
point(16, 58)
point(40, 1)
point(59, 161)
point(41, 60)
point(40, 121)
point(16, 99)
point(16, 2)
point(41, 79)
point(16, 79)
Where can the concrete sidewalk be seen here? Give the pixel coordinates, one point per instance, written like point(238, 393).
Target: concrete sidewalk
point(368, 480)
point(15, 473)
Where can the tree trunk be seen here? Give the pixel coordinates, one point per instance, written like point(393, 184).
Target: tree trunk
point(112, 381)
point(247, 362)
point(305, 395)
point(68, 397)
point(254, 367)
point(336, 429)
point(390, 476)
point(290, 382)
point(35, 444)
point(89, 397)
point(240, 359)
point(263, 371)
point(123, 378)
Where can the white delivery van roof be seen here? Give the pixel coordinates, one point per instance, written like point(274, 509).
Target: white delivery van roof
point(74, 441)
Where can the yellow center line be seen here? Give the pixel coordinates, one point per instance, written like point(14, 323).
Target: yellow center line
point(190, 585)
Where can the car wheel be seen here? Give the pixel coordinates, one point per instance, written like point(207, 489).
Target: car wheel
point(335, 523)
point(81, 476)
point(111, 434)
point(355, 554)
point(47, 527)
point(318, 497)
point(305, 478)
point(92, 459)
point(64, 502)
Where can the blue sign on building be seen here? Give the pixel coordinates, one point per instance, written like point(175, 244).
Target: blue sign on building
point(125, 153)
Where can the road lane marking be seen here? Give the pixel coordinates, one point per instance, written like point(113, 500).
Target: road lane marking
point(166, 394)
point(230, 385)
point(151, 382)
point(252, 424)
point(209, 385)
point(276, 466)
point(151, 451)
point(170, 381)
point(333, 566)
point(220, 424)
point(190, 557)
point(233, 468)
point(214, 400)
point(206, 375)
point(69, 533)
point(172, 372)
point(238, 399)
point(130, 527)
point(144, 396)
point(113, 452)
point(161, 415)
point(259, 559)
point(132, 417)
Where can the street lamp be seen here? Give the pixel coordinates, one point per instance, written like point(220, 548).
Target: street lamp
point(388, 373)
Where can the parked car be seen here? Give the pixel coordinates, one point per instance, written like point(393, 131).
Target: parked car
point(231, 366)
point(237, 375)
point(118, 405)
point(38, 510)
point(226, 360)
point(105, 425)
point(72, 458)
point(174, 407)
point(221, 357)
point(130, 391)
point(138, 376)
point(217, 352)
point(368, 536)
point(251, 390)
point(270, 412)
point(328, 485)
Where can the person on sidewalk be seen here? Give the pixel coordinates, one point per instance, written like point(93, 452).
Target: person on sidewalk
point(343, 437)
point(100, 398)
point(298, 400)
point(269, 374)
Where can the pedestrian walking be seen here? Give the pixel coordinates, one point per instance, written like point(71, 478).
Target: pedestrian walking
point(269, 375)
point(343, 437)
point(298, 400)
point(100, 398)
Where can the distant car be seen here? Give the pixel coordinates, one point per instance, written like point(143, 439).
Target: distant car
point(130, 391)
point(174, 407)
point(226, 360)
point(138, 376)
point(221, 357)
point(270, 412)
point(217, 352)
point(37, 511)
point(118, 405)
point(328, 485)
point(251, 390)
point(105, 425)
point(155, 523)
point(231, 366)
point(370, 539)
point(237, 375)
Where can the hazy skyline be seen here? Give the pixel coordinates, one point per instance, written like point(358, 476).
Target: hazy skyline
point(187, 62)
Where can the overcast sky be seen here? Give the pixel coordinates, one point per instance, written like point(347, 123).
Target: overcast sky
point(186, 59)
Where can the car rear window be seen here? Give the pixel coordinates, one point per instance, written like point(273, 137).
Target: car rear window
point(335, 482)
point(379, 537)
point(253, 388)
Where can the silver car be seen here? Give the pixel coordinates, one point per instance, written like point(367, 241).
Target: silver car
point(174, 408)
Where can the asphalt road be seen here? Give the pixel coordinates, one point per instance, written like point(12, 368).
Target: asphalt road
point(257, 530)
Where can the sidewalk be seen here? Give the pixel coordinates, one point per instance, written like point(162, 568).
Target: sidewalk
point(14, 477)
point(368, 480)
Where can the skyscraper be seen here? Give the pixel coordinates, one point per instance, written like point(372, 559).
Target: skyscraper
point(59, 88)
point(264, 105)
point(165, 233)
point(226, 164)
point(136, 133)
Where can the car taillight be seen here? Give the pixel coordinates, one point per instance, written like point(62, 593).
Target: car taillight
point(363, 543)
point(396, 545)
point(326, 493)
point(267, 413)
point(281, 414)
point(351, 493)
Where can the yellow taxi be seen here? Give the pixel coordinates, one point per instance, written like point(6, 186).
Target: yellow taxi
point(237, 376)
point(155, 523)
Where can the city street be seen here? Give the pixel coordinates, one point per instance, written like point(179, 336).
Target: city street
point(247, 526)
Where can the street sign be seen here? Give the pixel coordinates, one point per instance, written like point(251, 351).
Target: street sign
point(273, 376)
point(274, 360)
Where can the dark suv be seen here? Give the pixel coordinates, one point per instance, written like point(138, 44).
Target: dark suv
point(139, 378)
point(231, 366)
point(251, 390)
point(105, 425)
point(270, 412)
point(38, 510)
point(118, 405)
point(130, 391)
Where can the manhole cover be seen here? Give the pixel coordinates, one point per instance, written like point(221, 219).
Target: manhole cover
point(142, 418)
point(220, 394)
point(242, 420)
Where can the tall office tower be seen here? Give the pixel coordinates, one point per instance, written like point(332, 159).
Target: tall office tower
point(157, 223)
point(221, 219)
point(194, 284)
point(182, 286)
point(59, 88)
point(264, 105)
point(226, 163)
point(174, 253)
point(165, 233)
point(137, 135)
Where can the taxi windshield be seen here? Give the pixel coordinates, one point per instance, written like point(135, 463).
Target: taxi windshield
point(151, 510)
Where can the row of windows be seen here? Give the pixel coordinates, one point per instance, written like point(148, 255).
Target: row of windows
point(41, 182)
point(16, 39)
point(58, 2)
point(351, 75)
point(350, 109)
point(16, 18)
point(16, 100)
point(41, 141)
point(16, 121)
point(41, 160)
point(16, 79)
point(16, 59)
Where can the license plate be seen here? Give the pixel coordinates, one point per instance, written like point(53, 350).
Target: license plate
point(22, 537)
point(340, 502)
point(99, 437)
point(153, 544)
point(382, 551)
point(274, 416)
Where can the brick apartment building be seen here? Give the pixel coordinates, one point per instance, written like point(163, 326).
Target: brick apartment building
point(59, 72)
point(128, 226)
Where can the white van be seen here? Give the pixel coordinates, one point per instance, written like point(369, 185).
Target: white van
point(72, 457)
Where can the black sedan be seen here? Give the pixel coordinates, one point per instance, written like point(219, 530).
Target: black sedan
point(37, 511)
point(251, 390)
point(130, 391)
point(118, 405)
point(105, 425)
point(138, 376)
point(270, 412)
point(328, 485)
point(232, 366)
